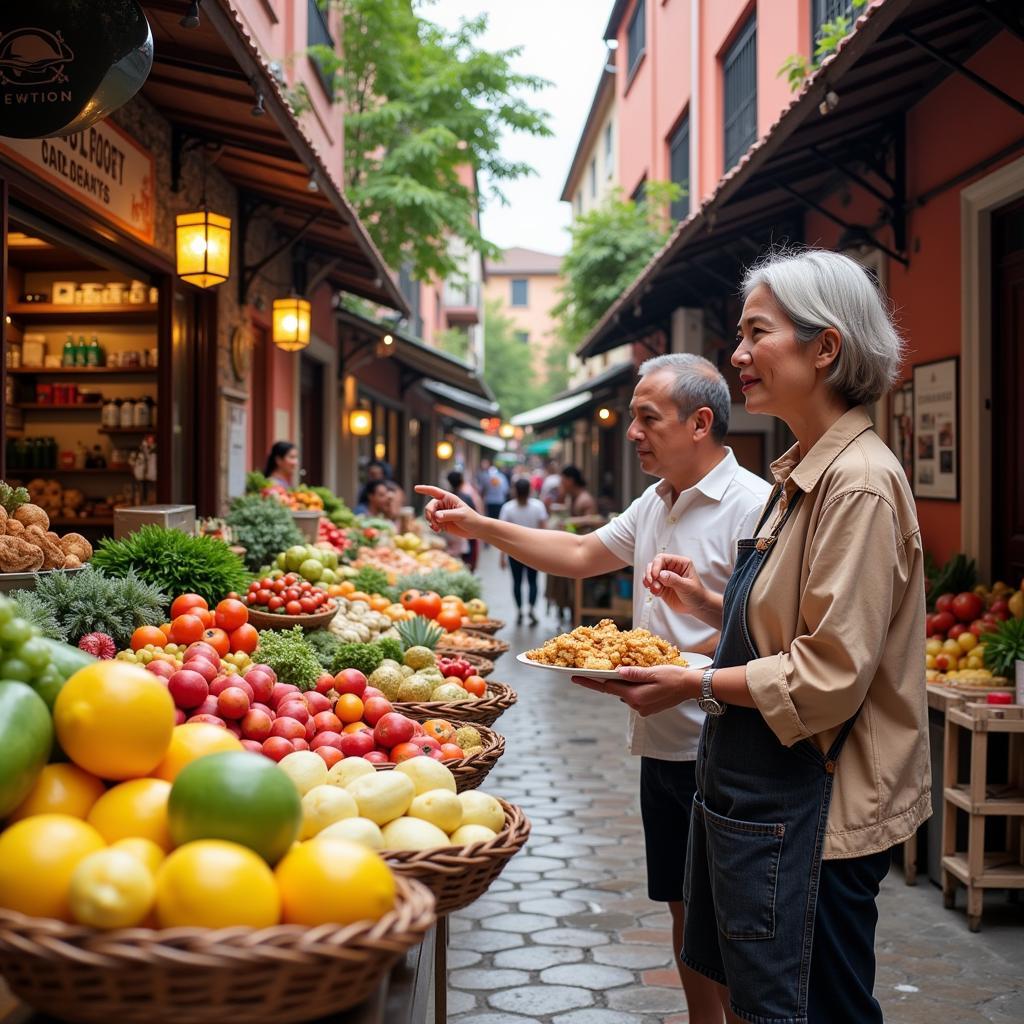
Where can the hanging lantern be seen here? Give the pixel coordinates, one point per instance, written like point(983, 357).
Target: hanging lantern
point(445, 450)
point(204, 248)
point(291, 323)
point(506, 431)
point(606, 417)
point(360, 422)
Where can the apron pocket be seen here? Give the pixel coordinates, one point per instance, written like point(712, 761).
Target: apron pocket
point(744, 862)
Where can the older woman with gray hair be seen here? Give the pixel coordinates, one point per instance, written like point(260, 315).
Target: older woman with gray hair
point(813, 760)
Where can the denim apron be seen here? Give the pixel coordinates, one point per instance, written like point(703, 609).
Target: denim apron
point(756, 834)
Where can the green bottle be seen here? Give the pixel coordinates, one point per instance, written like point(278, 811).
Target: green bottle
point(94, 356)
point(70, 353)
point(82, 352)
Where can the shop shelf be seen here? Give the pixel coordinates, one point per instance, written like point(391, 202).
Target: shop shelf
point(23, 474)
point(59, 406)
point(96, 523)
point(127, 430)
point(38, 311)
point(81, 371)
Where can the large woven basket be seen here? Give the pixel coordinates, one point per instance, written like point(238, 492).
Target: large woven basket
point(469, 772)
point(482, 711)
point(490, 646)
point(460, 875)
point(489, 626)
point(197, 975)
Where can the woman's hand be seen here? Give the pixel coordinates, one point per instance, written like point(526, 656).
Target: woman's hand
point(649, 690)
point(674, 579)
point(448, 513)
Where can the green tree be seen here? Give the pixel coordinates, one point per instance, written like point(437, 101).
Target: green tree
point(420, 104)
point(610, 245)
point(509, 364)
point(796, 67)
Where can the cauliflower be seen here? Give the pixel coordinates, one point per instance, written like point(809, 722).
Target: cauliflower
point(414, 688)
point(467, 737)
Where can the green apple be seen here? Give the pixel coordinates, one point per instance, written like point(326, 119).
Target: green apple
point(311, 570)
point(294, 557)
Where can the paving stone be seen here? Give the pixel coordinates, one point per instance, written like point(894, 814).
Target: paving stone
point(592, 976)
point(462, 958)
point(663, 977)
point(552, 905)
point(606, 919)
point(646, 1000)
point(460, 1002)
point(539, 864)
point(487, 977)
point(485, 941)
point(541, 999)
point(526, 923)
point(634, 957)
point(595, 1016)
point(571, 937)
point(496, 1018)
point(537, 958)
point(654, 936)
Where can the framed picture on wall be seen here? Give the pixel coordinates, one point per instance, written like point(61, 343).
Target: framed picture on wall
point(936, 430)
point(901, 426)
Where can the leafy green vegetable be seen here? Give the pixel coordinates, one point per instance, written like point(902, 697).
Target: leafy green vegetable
point(255, 482)
point(325, 645)
point(66, 606)
point(290, 656)
point(960, 573)
point(12, 498)
point(463, 584)
point(1003, 646)
point(390, 647)
point(263, 527)
point(334, 508)
point(371, 580)
point(176, 562)
point(365, 657)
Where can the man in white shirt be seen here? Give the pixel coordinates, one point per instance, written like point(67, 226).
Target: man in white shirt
point(703, 504)
point(531, 513)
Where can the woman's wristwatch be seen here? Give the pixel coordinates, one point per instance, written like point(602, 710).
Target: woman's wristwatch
point(706, 701)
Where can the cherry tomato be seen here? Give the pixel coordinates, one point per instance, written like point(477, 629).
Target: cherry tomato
point(306, 604)
point(246, 638)
point(278, 586)
point(275, 602)
point(186, 629)
point(407, 599)
point(218, 640)
point(185, 603)
point(230, 614)
point(263, 596)
point(293, 608)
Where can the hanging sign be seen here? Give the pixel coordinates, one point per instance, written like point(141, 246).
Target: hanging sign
point(102, 167)
point(66, 65)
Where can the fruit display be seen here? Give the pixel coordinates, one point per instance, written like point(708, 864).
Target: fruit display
point(27, 544)
point(357, 622)
point(288, 594)
point(337, 538)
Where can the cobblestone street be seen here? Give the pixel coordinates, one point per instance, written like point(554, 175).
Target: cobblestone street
point(567, 935)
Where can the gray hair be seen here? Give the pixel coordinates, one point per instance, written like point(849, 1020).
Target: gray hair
point(697, 384)
point(819, 289)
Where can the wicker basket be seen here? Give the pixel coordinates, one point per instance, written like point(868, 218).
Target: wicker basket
point(483, 666)
point(489, 626)
point(460, 875)
point(493, 649)
point(469, 772)
point(196, 975)
point(483, 711)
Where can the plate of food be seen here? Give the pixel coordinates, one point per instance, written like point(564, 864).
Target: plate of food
point(598, 651)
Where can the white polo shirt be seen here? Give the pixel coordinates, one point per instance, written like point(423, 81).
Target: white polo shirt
point(704, 524)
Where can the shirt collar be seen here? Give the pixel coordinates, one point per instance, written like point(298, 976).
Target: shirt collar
point(712, 485)
point(806, 472)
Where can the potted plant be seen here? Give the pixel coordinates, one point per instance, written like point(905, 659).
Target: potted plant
point(1004, 651)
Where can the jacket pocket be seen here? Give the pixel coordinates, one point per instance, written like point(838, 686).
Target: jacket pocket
point(744, 865)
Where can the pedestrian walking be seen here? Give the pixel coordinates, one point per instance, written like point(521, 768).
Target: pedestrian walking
point(679, 420)
point(813, 760)
point(531, 514)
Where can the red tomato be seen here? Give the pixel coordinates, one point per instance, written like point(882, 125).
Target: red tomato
point(246, 639)
point(407, 598)
point(451, 752)
point(185, 603)
point(955, 631)
point(276, 747)
point(942, 622)
point(404, 751)
point(218, 640)
point(449, 619)
point(205, 616)
point(307, 605)
point(186, 629)
point(293, 608)
point(475, 685)
point(428, 605)
point(230, 614)
point(275, 602)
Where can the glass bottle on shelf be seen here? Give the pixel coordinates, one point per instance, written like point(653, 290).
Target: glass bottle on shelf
point(140, 413)
point(70, 354)
point(82, 352)
point(127, 415)
point(81, 455)
point(95, 355)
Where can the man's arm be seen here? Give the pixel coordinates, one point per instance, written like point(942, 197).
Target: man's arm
point(551, 551)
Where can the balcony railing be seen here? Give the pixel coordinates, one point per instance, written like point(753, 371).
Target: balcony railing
point(461, 294)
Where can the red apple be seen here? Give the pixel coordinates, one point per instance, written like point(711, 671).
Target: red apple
point(287, 728)
point(233, 703)
point(234, 727)
point(372, 691)
point(324, 682)
point(417, 729)
point(277, 747)
point(967, 606)
point(261, 667)
point(257, 706)
point(179, 716)
point(188, 689)
point(294, 709)
point(243, 685)
point(208, 707)
point(350, 680)
point(391, 729)
point(162, 668)
point(202, 650)
point(262, 685)
point(220, 684)
point(253, 746)
point(209, 720)
point(375, 709)
point(256, 725)
point(327, 721)
point(326, 739)
point(203, 666)
point(331, 755)
point(281, 691)
point(944, 602)
point(376, 757)
point(357, 744)
point(316, 702)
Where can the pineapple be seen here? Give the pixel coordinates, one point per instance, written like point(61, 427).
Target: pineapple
point(419, 632)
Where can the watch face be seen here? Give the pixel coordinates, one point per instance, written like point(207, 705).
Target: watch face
point(710, 706)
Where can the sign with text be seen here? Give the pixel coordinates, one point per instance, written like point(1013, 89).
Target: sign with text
point(937, 430)
point(65, 66)
point(102, 167)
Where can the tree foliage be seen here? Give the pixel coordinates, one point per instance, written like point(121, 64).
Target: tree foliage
point(610, 245)
point(796, 67)
point(422, 103)
point(509, 364)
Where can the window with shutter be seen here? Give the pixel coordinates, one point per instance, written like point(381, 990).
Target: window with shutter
point(679, 168)
point(636, 35)
point(739, 79)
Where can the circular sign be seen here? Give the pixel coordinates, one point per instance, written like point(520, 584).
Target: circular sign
point(241, 350)
point(65, 66)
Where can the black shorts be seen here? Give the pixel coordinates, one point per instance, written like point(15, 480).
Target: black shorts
point(666, 798)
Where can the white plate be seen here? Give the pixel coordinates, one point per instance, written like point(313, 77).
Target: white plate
point(694, 661)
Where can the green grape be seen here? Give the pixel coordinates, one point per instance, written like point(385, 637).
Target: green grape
point(35, 653)
point(17, 669)
point(14, 632)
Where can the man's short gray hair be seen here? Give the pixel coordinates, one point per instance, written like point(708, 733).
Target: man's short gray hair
point(697, 384)
point(818, 289)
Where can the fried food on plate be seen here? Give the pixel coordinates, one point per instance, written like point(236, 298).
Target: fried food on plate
point(606, 647)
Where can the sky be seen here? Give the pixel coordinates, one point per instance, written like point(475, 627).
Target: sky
point(561, 42)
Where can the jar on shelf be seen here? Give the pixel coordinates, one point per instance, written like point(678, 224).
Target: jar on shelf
point(127, 414)
point(140, 412)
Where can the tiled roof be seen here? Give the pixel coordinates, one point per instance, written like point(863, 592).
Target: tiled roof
point(517, 260)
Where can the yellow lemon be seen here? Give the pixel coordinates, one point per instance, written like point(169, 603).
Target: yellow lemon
point(136, 809)
point(114, 719)
point(480, 809)
point(324, 805)
point(466, 834)
point(144, 850)
point(37, 858)
point(358, 830)
point(216, 884)
point(438, 806)
point(383, 796)
point(190, 741)
point(61, 789)
point(111, 889)
point(333, 881)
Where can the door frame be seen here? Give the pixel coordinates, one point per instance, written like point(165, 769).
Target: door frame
point(978, 201)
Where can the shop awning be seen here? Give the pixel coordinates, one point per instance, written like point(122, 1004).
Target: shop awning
point(542, 447)
point(364, 338)
point(209, 81)
point(547, 415)
point(494, 444)
point(848, 117)
point(461, 399)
